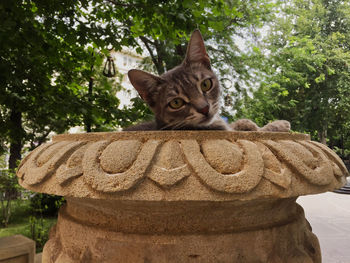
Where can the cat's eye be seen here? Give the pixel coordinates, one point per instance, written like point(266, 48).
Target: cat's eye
point(206, 85)
point(176, 103)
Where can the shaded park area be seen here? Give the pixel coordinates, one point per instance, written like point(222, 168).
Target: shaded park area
point(275, 60)
point(26, 213)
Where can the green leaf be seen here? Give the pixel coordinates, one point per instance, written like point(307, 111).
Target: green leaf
point(320, 78)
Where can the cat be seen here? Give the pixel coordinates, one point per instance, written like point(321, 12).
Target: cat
point(187, 96)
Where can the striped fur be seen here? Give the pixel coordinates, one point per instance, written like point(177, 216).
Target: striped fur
point(184, 82)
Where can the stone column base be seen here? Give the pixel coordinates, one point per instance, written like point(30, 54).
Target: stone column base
point(199, 232)
point(182, 196)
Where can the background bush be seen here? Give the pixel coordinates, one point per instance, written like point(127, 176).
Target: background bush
point(46, 204)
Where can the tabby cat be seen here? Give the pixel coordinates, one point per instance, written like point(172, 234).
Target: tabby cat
point(187, 97)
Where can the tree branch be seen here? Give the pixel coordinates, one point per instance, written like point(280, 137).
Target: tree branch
point(160, 53)
point(146, 41)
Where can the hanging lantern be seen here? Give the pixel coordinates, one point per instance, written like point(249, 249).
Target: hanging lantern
point(109, 68)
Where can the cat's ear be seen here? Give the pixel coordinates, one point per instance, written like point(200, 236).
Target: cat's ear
point(196, 52)
point(144, 83)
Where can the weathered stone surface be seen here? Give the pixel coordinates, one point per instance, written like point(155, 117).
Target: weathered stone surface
point(206, 165)
point(17, 249)
point(130, 231)
point(182, 196)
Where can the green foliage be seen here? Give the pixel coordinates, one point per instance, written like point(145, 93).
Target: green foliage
point(53, 54)
point(307, 69)
point(137, 111)
point(9, 191)
point(45, 204)
point(3, 163)
point(20, 210)
point(52, 51)
point(343, 153)
point(25, 222)
point(39, 231)
point(163, 29)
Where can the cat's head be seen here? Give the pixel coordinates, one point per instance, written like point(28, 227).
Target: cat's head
point(184, 97)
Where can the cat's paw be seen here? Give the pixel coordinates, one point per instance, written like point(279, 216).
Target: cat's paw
point(244, 125)
point(277, 126)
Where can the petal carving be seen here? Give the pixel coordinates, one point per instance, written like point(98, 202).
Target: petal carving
point(233, 163)
point(282, 179)
point(119, 155)
point(309, 164)
point(100, 180)
point(47, 166)
point(73, 167)
point(223, 155)
point(338, 165)
point(274, 171)
point(169, 166)
point(23, 167)
point(49, 153)
point(240, 182)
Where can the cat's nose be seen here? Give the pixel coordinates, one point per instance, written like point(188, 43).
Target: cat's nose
point(204, 110)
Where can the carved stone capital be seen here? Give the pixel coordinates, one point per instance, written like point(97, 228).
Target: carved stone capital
point(182, 196)
point(186, 165)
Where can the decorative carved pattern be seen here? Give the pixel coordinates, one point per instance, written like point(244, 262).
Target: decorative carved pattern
point(45, 160)
point(339, 168)
point(243, 181)
point(73, 167)
point(169, 166)
point(275, 172)
point(224, 165)
point(309, 162)
point(103, 181)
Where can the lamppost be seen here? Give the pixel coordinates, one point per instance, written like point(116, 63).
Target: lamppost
point(109, 72)
point(109, 68)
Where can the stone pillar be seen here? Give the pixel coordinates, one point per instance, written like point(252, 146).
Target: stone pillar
point(182, 196)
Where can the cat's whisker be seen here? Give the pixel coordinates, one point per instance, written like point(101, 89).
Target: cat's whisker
point(166, 126)
point(179, 125)
point(172, 125)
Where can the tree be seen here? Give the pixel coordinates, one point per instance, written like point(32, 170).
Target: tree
point(44, 70)
point(308, 79)
point(8, 192)
point(163, 29)
point(51, 51)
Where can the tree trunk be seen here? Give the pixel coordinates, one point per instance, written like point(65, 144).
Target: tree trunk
point(180, 50)
point(322, 135)
point(7, 213)
point(156, 59)
point(342, 145)
point(88, 119)
point(161, 54)
point(16, 137)
point(5, 210)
